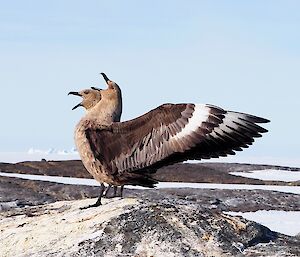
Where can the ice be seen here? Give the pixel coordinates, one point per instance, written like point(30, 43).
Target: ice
point(270, 174)
point(285, 189)
point(285, 222)
point(63, 180)
point(264, 160)
point(92, 182)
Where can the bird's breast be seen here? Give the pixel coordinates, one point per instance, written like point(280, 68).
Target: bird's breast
point(93, 166)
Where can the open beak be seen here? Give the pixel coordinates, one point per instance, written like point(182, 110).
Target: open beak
point(105, 77)
point(96, 88)
point(76, 106)
point(75, 93)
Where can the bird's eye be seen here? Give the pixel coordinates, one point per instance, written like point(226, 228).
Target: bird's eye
point(86, 92)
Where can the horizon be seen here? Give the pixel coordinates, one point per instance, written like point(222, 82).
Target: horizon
point(240, 56)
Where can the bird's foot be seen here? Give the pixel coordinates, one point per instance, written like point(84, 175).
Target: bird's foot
point(104, 193)
point(91, 206)
point(98, 203)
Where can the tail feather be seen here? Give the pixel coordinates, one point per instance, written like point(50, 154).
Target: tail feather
point(137, 179)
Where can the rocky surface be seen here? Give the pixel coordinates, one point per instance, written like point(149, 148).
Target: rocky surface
point(135, 227)
point(43, 218)
point(15, 192)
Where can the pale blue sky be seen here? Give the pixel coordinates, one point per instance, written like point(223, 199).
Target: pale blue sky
point(240, 55)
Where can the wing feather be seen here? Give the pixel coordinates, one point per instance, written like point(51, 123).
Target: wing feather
point(173, 133)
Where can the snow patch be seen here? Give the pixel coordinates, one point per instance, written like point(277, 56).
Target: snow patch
point(263, 160)
point(285, 222)
point(270, 174)
point(92, 182)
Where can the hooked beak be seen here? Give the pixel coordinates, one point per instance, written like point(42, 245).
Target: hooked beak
point(110, 83)
point(75, 93)
point(105, 77)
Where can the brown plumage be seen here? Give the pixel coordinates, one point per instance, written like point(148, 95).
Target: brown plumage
point(120, 153)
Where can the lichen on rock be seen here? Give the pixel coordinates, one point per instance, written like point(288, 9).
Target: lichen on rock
point(135, 227)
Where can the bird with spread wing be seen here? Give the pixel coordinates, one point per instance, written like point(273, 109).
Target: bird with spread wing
point(127, 153)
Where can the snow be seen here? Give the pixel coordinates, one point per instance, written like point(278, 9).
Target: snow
point(270, 174)
point(63, 180)
point(264, 160)
point(285, 189)
point(285, 222)
point(92, 182)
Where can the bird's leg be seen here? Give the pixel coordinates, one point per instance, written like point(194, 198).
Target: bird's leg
point(105, 194)
point(121, 191)
point(98, 203)
point(115, 191)
point(106, 191)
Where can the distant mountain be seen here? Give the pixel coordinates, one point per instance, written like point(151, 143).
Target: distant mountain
point(52, 151)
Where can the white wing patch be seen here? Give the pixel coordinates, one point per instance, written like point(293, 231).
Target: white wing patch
point(229, 123)
point(200, 114)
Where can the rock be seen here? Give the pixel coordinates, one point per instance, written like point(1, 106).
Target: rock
point(54, 229)
point(36, 219)
point(135, 227)
point(34, 192)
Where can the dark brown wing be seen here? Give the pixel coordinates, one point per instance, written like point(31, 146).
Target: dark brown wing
point(131, 144)
point(172, 133)
point(237, 131)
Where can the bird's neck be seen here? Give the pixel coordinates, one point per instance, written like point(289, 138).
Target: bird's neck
point(106, 111)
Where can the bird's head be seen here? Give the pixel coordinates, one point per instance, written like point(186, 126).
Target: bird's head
point(113, 89)
point(91, 97)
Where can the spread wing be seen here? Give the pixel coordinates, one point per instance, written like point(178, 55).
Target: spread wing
point(173, 133)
